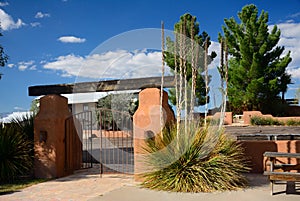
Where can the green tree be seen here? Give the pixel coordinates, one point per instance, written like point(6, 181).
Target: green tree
point(35, 106)
point(114, 108)
point(257, 70)
point(191, 28)
point(3, 56)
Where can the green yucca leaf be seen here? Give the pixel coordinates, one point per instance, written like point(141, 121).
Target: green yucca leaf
point(197, 161)
point(16, 149)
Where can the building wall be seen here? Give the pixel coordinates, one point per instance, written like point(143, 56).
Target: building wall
point(79, 107)
point(254, 150)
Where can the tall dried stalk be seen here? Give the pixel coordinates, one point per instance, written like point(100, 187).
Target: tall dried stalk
point(194, 72)
point(185, 77)
point(226, 69)
point(180, 73)
point(162, 76)
point(222, 63)
point(206, 79)
point(178, 112)
point(224, 75)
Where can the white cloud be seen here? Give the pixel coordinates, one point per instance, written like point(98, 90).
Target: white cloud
point(290, 39)
point(7, 22)
point(71, 39)
point(295, 15)
point(2, 4)
point(41, 15)
point(23, 65)
point(215, 46)
point(111, 64)
point(35, 24)
point(10, 65)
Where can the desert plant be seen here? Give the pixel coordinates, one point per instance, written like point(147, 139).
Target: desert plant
point(293, 122)
point(15, 157)
point(200, 161)
point(265, 121)
point(24, 124)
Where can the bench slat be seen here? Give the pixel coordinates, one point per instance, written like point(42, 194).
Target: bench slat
point(282, 173)
point(283, 176)
point(282, 154)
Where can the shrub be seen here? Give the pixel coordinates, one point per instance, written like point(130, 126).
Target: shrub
point(201, 160)
point(292, 122)
point(15, 153)
point(265, 121)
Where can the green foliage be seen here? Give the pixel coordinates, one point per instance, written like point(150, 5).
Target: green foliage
point(257, 71)
point(15, 153)
point(24, 125)
point(116, 110)
point(265, 121)
point(199, 41)
point(119, 102)
point(3, 57)
point(34, 107)
point(293, 122)
point(16, 148)
point(199, 161)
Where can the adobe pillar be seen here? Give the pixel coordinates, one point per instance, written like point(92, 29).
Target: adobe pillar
point(146, 121)
point(49, 134)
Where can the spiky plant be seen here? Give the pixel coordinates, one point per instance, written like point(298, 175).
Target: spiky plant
point(203, 160)
point(24, 124)
point(15, 157)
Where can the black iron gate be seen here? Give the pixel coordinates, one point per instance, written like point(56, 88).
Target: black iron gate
point(116, 141)
point(78, 141)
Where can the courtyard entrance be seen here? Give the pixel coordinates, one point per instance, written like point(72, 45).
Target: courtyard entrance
point(116, 154)
point(104, 138)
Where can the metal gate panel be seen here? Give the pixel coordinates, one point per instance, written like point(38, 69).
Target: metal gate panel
point(78, 141)
point(116, 141)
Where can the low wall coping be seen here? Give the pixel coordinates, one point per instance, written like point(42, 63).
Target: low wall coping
point(270, 137)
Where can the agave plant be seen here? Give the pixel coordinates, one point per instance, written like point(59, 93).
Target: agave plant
point(199, 161)
point(15, 157)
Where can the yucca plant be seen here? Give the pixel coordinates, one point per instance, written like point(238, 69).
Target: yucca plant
point(15, 157)
point(24, 124)
point(203, 160)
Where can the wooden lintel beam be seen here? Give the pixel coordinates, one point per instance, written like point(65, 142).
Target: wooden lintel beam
point(102, 86)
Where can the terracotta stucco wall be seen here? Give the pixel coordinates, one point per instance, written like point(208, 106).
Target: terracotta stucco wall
point(254, 151)
point(146, 121)
point(49, 139)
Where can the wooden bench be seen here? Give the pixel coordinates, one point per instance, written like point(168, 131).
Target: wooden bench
point(281, 172)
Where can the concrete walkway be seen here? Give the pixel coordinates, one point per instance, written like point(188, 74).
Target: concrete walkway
point(88, 185)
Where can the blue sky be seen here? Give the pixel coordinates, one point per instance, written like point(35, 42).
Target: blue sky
point(48, 41)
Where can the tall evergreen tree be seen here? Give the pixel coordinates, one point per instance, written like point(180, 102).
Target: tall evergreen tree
point(191, 29)
point(3, 56)
point(257, 70)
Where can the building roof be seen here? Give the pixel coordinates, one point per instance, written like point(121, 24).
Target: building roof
point(78, 98)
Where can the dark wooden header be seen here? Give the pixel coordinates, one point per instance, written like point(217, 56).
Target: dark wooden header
point(102, 86)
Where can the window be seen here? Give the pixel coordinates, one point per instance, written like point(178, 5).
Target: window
point(85, 107)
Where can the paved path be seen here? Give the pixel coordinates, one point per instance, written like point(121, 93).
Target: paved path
point(88, 185)
point(84, 185)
